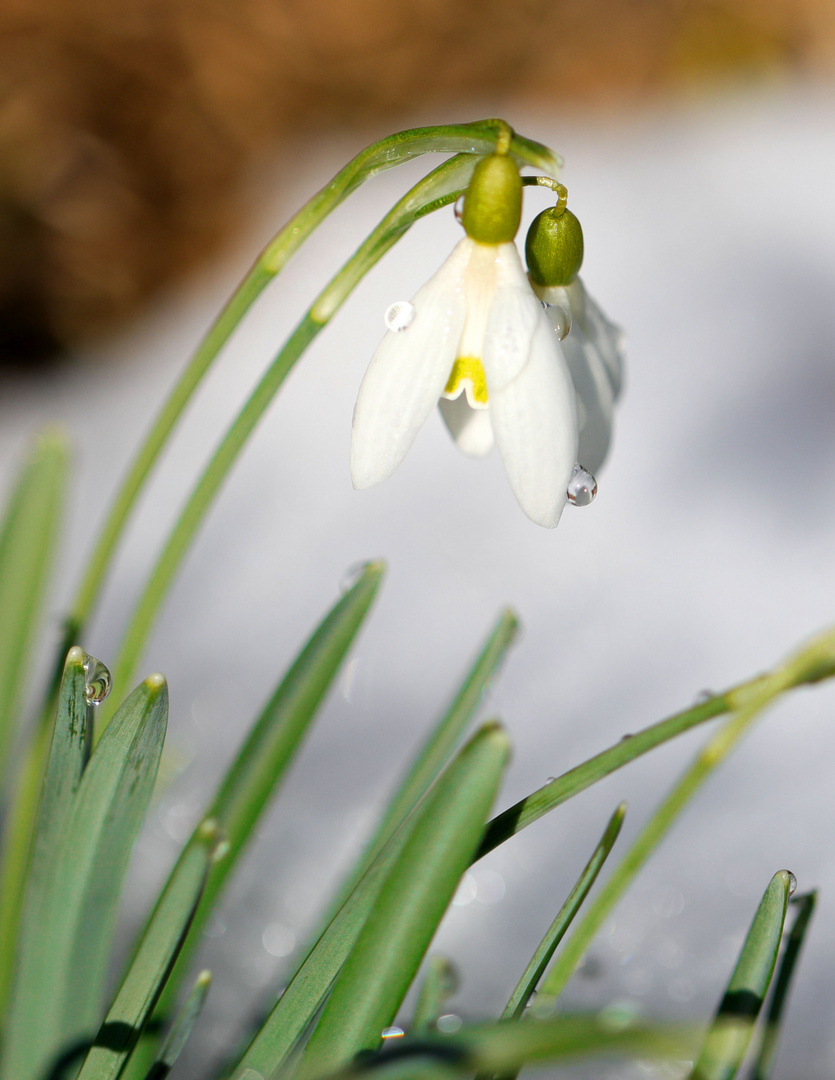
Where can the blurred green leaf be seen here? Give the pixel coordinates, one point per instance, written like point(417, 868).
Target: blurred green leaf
point(505, 1046)
point(526, 986)
point(64, 958)
point(442, 740)
point(730, 1033)
point(68, 754)
point(812, 663)
point(373, 981)
point(310, 983)
point(805, 906)
point(28, 538)
point(154, 959)
point(440, 981)
point(182, 1027)
point(756, 697)
point(262, 762)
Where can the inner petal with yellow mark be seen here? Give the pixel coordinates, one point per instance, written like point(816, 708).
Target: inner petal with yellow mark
point(468, 375)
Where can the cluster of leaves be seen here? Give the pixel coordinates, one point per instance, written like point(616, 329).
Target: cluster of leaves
point(75, 794)
point(351, 982)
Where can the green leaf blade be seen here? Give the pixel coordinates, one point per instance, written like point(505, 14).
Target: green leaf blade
point(268, 750)
point(152, 963)
point(730, 1033)
point(374, 979)
point(28, 539)
point(539, 961)
point(63, 968)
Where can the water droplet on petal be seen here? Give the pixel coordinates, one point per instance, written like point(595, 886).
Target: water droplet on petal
point(792, 883)
point(559, 318)
point(393, 1032)
point(97, 679)
point(458, 209)
point(582, 487)
point(399, 315)
point(449, 1023)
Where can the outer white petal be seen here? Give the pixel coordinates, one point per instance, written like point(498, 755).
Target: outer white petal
point(470, 428)
point(407, 374)
point(595, 399)
point(535, 425)
point(605, 336)
point(511, 321)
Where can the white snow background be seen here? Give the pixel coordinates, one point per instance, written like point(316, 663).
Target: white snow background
point(707, 556)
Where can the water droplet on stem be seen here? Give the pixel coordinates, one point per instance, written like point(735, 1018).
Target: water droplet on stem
point(97, 680)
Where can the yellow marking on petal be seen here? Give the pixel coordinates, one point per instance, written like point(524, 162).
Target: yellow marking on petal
point(468, 374)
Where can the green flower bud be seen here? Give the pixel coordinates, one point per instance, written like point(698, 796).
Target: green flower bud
point(554, 247)
point(493, 201)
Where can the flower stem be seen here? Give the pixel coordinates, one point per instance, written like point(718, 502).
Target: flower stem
point(474, 138)
point(442, 185)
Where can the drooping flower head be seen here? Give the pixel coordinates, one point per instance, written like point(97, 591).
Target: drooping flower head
point(477, 340)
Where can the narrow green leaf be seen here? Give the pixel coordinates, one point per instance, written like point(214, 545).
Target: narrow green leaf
point(28, 537)
point(730, 1033)
point(764, 1064)
point(153, 961)
point(718, 747)
point(63, 966)
point(442, 740)
point(504, 1047)
point(182, 1027)
point(262, 762)
point(515, 1007)
point(68, 756)
point(260, 766)
point(372, 983)
point(307, 989)
point(439, 984)
point(813, 663)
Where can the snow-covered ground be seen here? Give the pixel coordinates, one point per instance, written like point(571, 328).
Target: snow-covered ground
point(708, 554)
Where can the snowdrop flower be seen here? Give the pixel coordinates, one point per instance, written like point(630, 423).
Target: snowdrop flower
point(477, 340)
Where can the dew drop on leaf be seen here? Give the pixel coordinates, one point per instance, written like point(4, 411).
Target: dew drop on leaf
point(97, 680)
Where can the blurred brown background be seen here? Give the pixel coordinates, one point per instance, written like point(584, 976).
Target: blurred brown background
point(126, 129)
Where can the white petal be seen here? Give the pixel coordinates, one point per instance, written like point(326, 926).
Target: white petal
point(595, 400)
point(604, 335)
point(534, 422)
point(408, 373)
point(511, 320)
point(470, 428)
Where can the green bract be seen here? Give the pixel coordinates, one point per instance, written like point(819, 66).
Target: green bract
point(554, 247)
point(493, 202)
